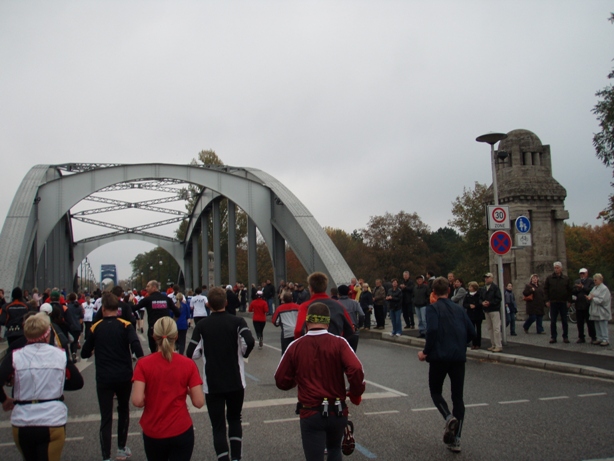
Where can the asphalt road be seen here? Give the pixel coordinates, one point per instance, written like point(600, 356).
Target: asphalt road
point(513, 413)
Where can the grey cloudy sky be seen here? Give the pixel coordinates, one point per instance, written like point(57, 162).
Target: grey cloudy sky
point(359, 107)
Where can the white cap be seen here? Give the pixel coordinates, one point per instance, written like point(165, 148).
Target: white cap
point(46, 308)
point(259, 293)
point(583, 270)
point(229, 287)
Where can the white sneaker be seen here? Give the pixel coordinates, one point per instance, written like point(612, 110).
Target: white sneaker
point(123, 454)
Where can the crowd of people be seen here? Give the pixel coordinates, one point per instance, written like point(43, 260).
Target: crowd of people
point(46, 331)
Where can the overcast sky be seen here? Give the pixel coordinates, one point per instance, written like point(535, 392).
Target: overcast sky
point(359, 107)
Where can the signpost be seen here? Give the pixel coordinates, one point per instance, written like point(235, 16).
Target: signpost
point(523, 240)
point(498, 217)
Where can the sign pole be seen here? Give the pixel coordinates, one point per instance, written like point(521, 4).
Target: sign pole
point(492, 139)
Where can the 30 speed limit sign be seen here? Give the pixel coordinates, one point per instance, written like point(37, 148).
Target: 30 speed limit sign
point(498, 217)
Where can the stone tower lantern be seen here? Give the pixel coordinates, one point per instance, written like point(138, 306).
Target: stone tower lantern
point(526, 185)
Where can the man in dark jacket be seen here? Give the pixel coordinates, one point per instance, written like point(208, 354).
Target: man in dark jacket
point(407, 287)
point(268, 293)
point(558, 288)
point(581, 289)
point(490, 299)
point(12, 316)
point(448, 332)
point(157, 306)
point(420, 298)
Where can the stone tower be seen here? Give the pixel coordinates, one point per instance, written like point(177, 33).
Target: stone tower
point(526, 185)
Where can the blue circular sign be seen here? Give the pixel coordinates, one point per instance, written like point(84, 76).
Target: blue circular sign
point(523, 225)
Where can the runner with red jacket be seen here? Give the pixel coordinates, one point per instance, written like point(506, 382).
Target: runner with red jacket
point(317, 363)
point(340, 321)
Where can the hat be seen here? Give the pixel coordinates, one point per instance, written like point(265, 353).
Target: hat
point(583, 270)
point(488, 274)
point(229, 287)
point(259, 293)
point(46, 308)
point(55, 295)
point(344, 290)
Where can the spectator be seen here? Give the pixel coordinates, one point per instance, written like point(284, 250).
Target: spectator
point(558, 288)
point(533, 295)
point(472, 306)
point(510, 309)
point(490, 299)
point(581, 290)
point(600, 310)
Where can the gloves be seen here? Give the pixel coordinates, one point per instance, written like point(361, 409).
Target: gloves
point(355, 399)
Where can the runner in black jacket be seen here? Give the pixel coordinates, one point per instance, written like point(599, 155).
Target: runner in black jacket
point(222, 334)
point(157, 306)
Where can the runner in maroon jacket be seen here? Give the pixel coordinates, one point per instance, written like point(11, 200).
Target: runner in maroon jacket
point(317, 363)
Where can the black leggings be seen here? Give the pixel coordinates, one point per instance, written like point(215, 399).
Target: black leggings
point(233, 403)
point(318, 433)
point(40, 443)
point(259, 327)
point(180, 344)
point(105, 402)
point(437, 375)
point(178, 448)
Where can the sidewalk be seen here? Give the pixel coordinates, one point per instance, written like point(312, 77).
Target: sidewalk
point(531, 350)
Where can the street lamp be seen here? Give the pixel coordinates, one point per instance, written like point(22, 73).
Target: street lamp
point(159, 267)
point(492, 139)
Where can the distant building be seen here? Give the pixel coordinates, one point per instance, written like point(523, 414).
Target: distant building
point(526, 185)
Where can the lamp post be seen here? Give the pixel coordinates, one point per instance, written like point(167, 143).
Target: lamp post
point(142, 281)
point(492, 139)
point(159, 267)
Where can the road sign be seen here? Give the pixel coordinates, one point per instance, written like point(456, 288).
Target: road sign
point(498, 217)
point(523, 224)
point(523, 240)
point(500, 242)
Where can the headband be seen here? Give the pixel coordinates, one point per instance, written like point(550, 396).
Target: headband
point(314, 318)
point(43, 338)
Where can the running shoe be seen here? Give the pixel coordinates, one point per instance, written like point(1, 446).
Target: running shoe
point(454, 446)
point(449, 435)
point(123, 454)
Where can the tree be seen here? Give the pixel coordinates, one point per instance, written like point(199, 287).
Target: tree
point(444, 245)
point(354, 251)
point(148, 264)
point(468, 212)
point(591, 247)
point(396, 243)
point(604, 140)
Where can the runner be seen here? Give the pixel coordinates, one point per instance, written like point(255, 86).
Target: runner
point(111, 340)
point(224, 377)
point(157, 306)
point(198, 304)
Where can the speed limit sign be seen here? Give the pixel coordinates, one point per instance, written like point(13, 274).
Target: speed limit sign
point(498, 217)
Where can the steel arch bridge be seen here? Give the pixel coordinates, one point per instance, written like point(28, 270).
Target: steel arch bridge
point(37, 246)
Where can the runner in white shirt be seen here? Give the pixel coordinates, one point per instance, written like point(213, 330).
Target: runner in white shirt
point(198, 305)
point(89, 311)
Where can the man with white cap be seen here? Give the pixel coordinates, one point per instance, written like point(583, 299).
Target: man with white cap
point(581, 289)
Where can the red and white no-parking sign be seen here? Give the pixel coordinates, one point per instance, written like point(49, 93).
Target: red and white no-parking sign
point(498, 217)
point(500, 242)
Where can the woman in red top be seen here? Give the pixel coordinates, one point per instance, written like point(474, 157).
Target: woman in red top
point(161, 383)
point(260, 308)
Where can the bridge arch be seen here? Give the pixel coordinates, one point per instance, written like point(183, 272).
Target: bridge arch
point(39, 222)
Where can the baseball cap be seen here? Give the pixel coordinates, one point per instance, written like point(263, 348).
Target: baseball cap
point(46, 308)
point(488, 274)
point(583, 270)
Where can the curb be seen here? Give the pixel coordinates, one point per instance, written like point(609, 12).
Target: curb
point(529, 362)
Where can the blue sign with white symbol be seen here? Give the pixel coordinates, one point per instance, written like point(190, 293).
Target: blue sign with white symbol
point(523, 225)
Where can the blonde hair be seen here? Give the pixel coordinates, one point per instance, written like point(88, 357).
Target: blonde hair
point(179, 298)
point(473, 285)
point(36, 326)
point(165, 335)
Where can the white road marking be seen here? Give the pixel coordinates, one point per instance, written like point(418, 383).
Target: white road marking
point(508, 402)
point(471, 405)
point(381, 412)
point(84, 363)
point(593, 395)
point(95, 417)
point(73, 439)
point(272, 347)
point(130, 434)
point(399, 393)
point(559, 397)
point(285, 420)
point(424, 409)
